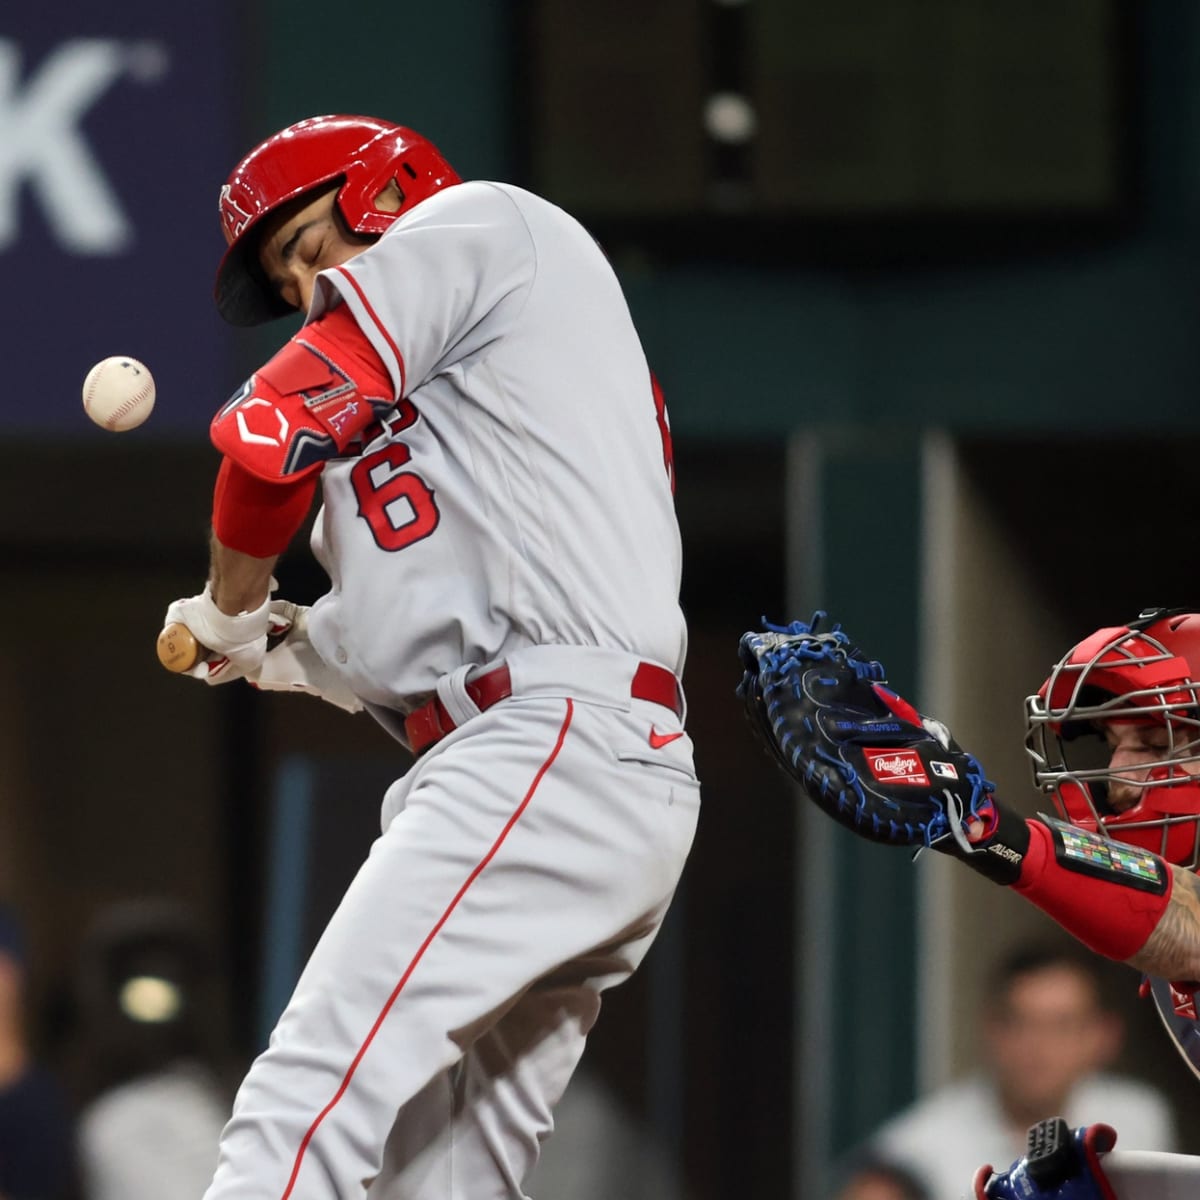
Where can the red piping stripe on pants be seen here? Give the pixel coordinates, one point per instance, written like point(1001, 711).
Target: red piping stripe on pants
point(391, 1000)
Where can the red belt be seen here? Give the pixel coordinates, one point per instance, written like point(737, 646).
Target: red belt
point(431, 722)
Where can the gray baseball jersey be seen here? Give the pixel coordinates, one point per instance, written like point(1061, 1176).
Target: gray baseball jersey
point(531, 504)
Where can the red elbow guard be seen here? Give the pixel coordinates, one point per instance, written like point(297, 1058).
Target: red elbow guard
point(1110, 896)
point(317, 398)
point(256, 517)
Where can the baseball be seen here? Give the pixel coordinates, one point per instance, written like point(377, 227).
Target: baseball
point(118, 393)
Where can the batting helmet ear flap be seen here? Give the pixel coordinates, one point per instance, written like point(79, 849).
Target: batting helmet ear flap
point(364, 153)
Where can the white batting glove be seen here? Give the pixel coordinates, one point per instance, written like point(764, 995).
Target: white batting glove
point(236, 644)
point(295, 666)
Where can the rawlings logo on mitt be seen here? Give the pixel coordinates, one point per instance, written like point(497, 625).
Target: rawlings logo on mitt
point(859, 751)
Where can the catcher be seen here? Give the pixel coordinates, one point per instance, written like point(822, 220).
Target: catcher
point(1115, 867)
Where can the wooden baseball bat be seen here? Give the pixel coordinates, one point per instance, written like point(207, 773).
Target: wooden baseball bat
point(179, 651)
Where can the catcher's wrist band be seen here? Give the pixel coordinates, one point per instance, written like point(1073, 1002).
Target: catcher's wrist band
point(1000, 853)
point(1109, 908)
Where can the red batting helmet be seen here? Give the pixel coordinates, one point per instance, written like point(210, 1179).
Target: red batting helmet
point(365, 153)
point(1144, 673)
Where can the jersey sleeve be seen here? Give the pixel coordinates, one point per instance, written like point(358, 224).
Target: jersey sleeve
point(441, 285)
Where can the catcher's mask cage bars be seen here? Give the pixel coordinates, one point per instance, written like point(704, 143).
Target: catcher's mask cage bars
point(1049, 729)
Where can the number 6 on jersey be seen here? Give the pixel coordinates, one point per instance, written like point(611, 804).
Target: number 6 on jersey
point(386, 492)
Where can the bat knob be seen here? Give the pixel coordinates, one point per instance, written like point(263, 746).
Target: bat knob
point(178, 649)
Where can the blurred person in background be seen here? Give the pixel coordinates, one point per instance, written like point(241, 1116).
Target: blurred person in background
point(870, 1177)
point(1048, 1038)
point(155, 1104)
point(36, 1134)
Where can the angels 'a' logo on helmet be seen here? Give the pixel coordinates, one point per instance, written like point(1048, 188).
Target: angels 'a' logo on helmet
point(234, 218)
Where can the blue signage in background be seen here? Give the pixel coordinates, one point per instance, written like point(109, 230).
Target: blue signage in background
point(118, 124)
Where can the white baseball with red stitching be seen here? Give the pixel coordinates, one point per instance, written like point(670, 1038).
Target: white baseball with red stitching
point(118, 393)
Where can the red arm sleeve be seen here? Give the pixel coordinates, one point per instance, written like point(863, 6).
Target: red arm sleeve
point(1114, 920)
point(256, 517)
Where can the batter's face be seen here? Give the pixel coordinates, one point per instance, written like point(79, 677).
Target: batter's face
point(297, 243)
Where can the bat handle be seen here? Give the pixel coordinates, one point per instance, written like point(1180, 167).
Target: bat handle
point(178, 649)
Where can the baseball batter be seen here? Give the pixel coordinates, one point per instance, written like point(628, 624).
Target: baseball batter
point(498, 528)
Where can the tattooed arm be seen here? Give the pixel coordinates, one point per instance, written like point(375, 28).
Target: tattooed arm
point(1173, 950)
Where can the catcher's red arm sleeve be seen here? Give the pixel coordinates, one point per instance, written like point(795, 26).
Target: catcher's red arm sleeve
point(1112, 918)
point(256, 517)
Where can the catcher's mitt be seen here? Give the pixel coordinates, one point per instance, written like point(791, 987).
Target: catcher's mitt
point(859, 751)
